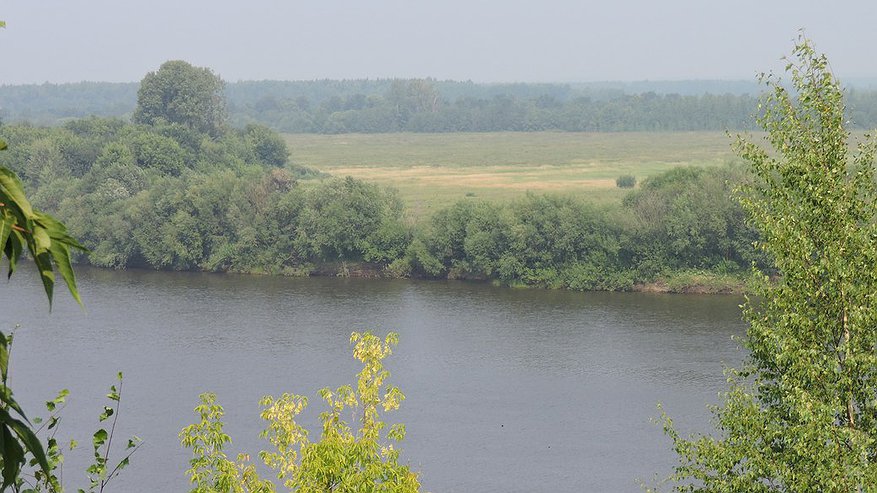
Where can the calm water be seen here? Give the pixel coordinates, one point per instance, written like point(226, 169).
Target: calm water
point(508, 390)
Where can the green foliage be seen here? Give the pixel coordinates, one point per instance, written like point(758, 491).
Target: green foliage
point(268, 146)
point(102, 470)
point(168, 197)
point(155, 151)
point(54, 453)
point(29, 465)
point(625, 181)
point(684, 218)
point(211, 471)
point(418, 105)
point(801, 416)
point(180, 93)
point(423, 105)
point(541, 240)
point(45, 237)
point(350, 219)
point(342, 460)
point(18, 437)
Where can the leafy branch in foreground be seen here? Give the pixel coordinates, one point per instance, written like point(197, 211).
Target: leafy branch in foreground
point(45, 237)
point(33, 468)
point(211, 470)
point(801, 416)
point(49, 244)
point(17, 437)
point(101, 471)
point(343, 460)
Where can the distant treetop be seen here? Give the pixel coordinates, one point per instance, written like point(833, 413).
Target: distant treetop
point(181, 93)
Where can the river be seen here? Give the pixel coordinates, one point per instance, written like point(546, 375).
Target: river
point(507, 389)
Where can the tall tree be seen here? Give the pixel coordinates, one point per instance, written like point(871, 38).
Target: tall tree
point(802, 413)
point(183, 94)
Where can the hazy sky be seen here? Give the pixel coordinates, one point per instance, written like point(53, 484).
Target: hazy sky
point(481, 40)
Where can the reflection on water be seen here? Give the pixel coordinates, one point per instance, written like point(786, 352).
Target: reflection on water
point(508, 390)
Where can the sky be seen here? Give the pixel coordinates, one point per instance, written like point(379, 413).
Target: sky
point(480, 40)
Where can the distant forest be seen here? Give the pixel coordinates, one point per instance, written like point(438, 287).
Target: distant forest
point(426, 105)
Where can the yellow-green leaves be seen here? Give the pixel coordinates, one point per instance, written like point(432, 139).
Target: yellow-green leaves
point(211, 471)
point(342, 460)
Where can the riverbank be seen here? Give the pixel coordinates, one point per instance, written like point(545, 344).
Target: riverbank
point(694, 282)
point(679, 282)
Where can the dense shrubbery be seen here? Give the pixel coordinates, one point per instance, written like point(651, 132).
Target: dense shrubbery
point(683, 219)
point(168, 197)
point(625, 181)
point(164, 198)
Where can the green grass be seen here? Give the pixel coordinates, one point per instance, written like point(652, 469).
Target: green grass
point(434, 170)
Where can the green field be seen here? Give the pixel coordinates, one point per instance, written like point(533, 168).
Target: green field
point(434, 170)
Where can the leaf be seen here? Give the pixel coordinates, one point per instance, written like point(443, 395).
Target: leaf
point(42, 242)
point(4, 356)
point(44, 265)
point(99, 438)
point(28, 438)
point(12, 189)
point(45, 236)
point(56, 230)
point(9, 401)
point(13, 456)
point(6, 223)
point(61, 255)
point(12, 250)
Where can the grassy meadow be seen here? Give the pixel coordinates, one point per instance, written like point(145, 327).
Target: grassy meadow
point(434, 170)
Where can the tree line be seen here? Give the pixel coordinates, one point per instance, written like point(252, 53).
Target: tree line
point(426, 105)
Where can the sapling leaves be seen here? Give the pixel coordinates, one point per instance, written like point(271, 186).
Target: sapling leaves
point(342, 459)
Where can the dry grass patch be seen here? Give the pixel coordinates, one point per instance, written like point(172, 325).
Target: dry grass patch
point(434, 170)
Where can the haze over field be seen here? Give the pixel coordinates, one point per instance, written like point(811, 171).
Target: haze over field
point(485, 41)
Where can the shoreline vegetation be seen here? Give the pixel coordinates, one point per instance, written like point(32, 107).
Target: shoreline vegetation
point(165, 197)
point(177, 188)
point(678, 282)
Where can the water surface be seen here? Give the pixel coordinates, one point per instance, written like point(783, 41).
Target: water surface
point(508, 390)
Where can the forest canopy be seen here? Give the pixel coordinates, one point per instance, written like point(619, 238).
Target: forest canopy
point(426, 105)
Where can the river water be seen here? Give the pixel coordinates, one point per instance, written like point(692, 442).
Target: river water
point(507, 390)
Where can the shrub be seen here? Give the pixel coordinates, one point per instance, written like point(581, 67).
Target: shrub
point(625, 181)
